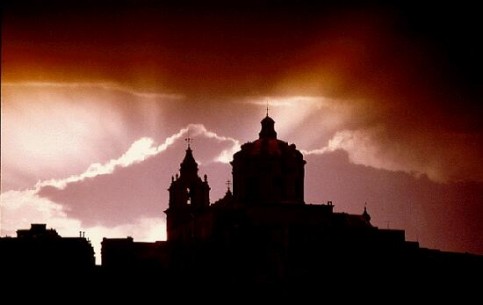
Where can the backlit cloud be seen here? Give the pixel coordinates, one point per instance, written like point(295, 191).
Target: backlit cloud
point(139, 151)
point(21, 208)
point(374, 147)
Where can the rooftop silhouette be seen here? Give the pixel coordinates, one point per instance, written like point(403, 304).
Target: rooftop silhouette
point(40, 250)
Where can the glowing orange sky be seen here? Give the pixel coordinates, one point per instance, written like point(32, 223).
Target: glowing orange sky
point(383, 101)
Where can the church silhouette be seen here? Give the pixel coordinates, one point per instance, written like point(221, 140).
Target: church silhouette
point(260, 236)
point(265, 234)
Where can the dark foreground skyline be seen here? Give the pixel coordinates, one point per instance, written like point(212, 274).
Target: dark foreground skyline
point(382, 100)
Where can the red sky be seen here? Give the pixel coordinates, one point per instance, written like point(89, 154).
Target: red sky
point(384, 101)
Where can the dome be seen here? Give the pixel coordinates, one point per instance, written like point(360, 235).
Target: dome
point(268, 170)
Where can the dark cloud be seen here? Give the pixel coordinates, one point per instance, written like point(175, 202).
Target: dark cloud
point(139, 190)
point(443, 216)
point(240, 48)
point(410, 70)
point(406, 76)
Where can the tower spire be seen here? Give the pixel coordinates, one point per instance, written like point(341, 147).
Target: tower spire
point(189, 167)
point(267, 108)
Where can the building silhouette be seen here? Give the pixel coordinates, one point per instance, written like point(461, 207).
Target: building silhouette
point(263, 234)
point(39, 250)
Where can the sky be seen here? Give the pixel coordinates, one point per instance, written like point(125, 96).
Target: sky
point(384, 101)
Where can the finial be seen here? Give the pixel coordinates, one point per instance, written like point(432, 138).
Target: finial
point(188, 140)
point(228, 183)
point(267, 107)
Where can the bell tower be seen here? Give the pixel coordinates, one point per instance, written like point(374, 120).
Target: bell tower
point(188, 195)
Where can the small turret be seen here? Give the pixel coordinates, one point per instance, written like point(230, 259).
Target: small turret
point(366, 215)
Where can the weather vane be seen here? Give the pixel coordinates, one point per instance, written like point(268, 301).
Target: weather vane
point(267, 107)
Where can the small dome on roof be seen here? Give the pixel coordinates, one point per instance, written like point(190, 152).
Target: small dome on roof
point(268, 128)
